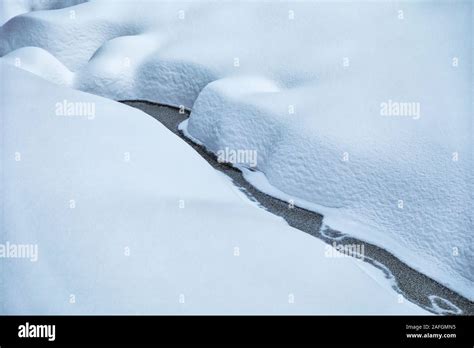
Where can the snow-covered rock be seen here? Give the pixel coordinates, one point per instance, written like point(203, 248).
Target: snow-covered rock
point(313, 88)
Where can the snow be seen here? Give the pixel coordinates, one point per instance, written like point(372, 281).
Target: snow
point(181, 260)
point(12, 8)
point(303, 85)
point(389, 160)
point(31, 59)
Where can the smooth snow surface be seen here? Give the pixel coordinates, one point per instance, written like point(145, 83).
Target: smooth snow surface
point(302, 84)
point(142, 224)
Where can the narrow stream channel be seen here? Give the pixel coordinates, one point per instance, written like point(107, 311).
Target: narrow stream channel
point(411, 284)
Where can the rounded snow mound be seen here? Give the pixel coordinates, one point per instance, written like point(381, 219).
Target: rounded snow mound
point(112, 68)
point(41, 63)
point(12, 8)
point(387, 180)
point(77, 34)
point(132, 67)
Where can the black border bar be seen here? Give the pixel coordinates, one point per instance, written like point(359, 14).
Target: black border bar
point(290, 330)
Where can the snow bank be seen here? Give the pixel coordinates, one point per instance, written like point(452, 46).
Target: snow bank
point(391, 181)
point(314, 89)
point(142, 224)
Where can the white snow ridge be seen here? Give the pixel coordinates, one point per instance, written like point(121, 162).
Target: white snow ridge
point(346, 108)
